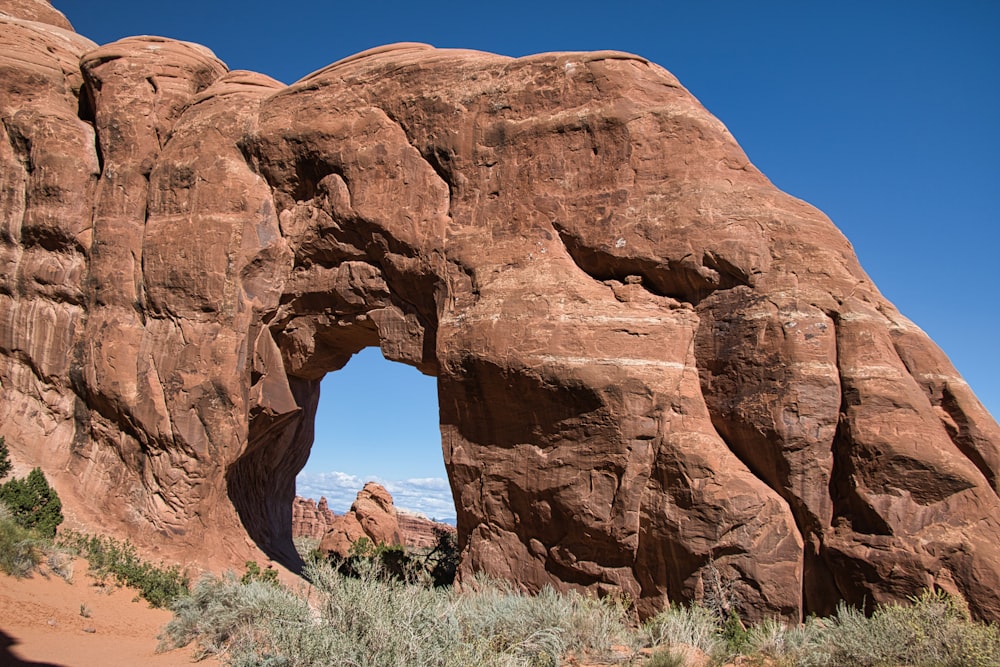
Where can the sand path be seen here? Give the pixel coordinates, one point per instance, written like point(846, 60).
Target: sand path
point(47, 621)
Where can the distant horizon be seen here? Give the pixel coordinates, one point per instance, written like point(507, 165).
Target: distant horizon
point(428, 497)
point(451, 521)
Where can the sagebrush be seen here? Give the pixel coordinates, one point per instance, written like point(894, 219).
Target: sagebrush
point(373, 619)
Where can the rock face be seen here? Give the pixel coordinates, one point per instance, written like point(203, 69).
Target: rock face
point(372, 515)
point(658, 374)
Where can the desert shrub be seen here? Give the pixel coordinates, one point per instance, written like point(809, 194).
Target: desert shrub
point(371, 619)
point(542, 627)
point(701, 628)
point(223, 614)
point(59, 561)
point(775, 643)
point(157, 584)
point(695, 626)
point(5, 464)
point(33, 504)
point(934, 629)
point(442, 561)
point(20, 548)
point(394, 623)
point(307, 548)
point(253, 573)
point(385, 622)
point(665, 658)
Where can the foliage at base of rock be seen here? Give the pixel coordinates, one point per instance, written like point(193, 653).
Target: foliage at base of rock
point(33, 504)
point(160, 585)
point(5, 464)
point(19, 547)
point(372, 619)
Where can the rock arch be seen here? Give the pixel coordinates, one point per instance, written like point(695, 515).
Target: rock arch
point(658, 375)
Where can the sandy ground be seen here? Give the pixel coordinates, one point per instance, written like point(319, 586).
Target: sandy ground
point(47, 621)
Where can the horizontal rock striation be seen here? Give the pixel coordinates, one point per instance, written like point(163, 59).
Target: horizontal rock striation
point(658, 375)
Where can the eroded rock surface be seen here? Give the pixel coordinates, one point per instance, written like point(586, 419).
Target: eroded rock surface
point(658, 375)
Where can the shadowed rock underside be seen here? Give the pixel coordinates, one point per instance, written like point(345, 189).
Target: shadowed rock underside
point(658, 375)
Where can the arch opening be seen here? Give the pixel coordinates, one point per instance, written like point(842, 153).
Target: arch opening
point(378, 420)
point(366, 418)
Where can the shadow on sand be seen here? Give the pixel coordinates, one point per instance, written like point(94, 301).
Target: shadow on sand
point(8, 659)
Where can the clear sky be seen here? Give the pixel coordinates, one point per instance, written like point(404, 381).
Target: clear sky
point(884, 114)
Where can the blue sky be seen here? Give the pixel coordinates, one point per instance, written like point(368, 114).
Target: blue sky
point(884, 114)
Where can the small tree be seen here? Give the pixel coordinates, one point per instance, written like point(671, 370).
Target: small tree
point(444, 557)
point(33, 503)
point(5, 464)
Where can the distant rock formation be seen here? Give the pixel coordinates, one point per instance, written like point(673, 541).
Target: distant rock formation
point(372, 516)
point(314, 520)
point(419, 532)
point(311, 519)
point(657, 373)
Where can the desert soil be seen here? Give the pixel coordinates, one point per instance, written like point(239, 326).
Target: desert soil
point(49, 622)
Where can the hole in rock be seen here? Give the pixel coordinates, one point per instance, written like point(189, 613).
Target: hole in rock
point(378, 420)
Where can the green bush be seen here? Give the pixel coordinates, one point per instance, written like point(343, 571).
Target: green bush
point(438, 565)
point(159, 584)
point(33, 503)
point(20, 548)
point(442, 561)
point(253, 573)
point(5, 464)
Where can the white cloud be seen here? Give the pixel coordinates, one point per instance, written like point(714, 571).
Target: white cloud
point(430, 496)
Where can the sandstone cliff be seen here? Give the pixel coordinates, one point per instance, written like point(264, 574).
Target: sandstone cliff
point(657, 373)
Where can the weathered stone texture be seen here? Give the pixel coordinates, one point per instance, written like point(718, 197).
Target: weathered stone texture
point(658, 375)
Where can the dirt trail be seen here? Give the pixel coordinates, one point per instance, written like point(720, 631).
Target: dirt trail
point(49, 622)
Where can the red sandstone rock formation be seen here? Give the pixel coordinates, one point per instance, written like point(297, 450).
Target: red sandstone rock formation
point(656, 371)
point(372, 515)
point(314, 520)
point(420, 532)
point(311, 519)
